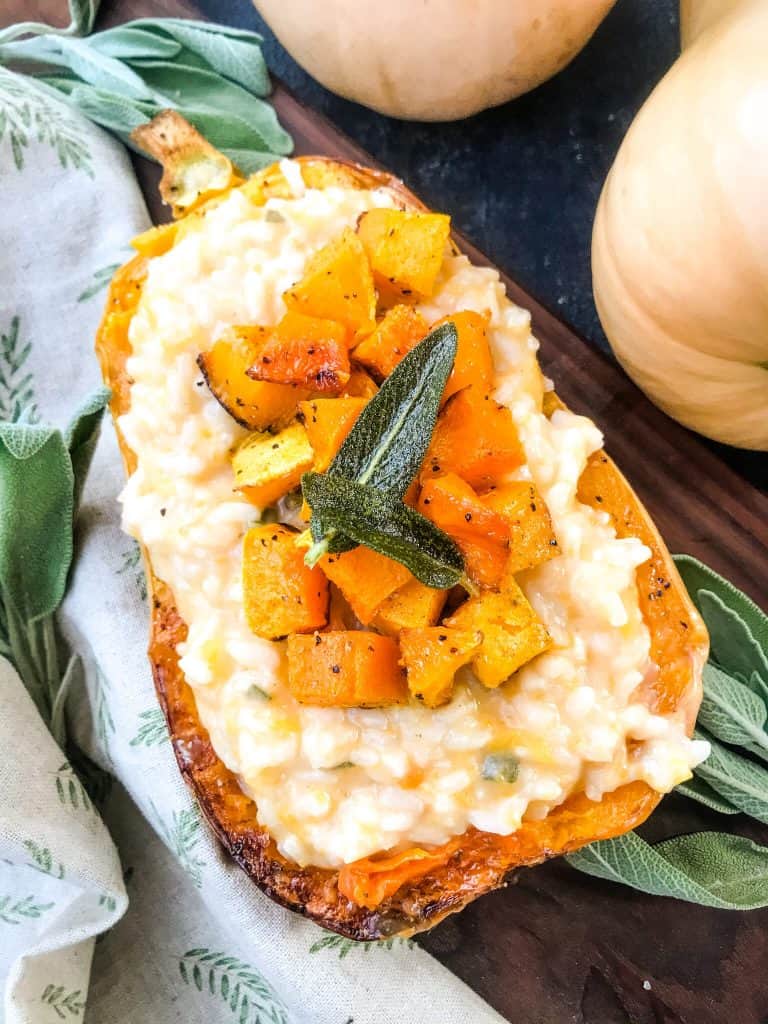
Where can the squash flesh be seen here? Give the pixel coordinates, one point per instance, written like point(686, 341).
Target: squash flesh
point(432, 657)
point(268, 466)
point(412, 606)
point(512, 632)
point(328, 421)
point(345, 669)
point(401, 329)
point(405, 250)
point(531, 536)
point(281, 595)
point(337, 285)
point(473, 365)
point(254, 404)
point(301, 350)
point(474, 438)
point(365, 578)
point(481, 534)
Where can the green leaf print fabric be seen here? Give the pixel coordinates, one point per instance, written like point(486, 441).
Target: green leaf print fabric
point(105, 839)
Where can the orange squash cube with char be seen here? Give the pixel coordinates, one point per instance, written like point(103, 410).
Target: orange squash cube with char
point(255, 404)
point(512, 632)
point(302, 350)
point(474, 438)
point(531, 537)
point(281, 594)
point(328, 421)
point(413, 606)
point(432, 657)
point(482, 535)
point(346, 669)
point(473, 365)
point(405, 250)
point(401, 329)
point(337, 285)
point(268, 466)
point(365, 578)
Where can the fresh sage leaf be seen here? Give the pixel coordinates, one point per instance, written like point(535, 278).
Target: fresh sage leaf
point(96, 69)
point(82, 436)
point(127, 41)
point(389, 440)
point(500, 768)
point(732, 712)
point(383, 523)
point(82, 14)
point(237, 58)
point(37, 485)
point(115, 113)
point(734, 647)
point(713, 869)
point(742, 782)
point(192, 88)
point(202, 26)
point(697, 789)
point(698, 576)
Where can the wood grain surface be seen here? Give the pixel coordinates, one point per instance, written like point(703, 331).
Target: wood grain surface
point(556, 947)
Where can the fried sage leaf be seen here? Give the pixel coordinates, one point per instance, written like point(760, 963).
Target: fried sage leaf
point(387, 444)
point(380, 521)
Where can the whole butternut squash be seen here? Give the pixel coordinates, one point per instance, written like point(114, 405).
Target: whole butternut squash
point(680, 242)
point(435, 60)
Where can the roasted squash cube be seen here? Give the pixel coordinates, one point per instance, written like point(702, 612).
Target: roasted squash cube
point(327, 422)
point(474, 438)
point(346, 669)
point(280, 593)
point(360, 384)
point(432, 657)
point(365, 578)
point(267, 466)
point(531, 537)
point(413, 606)
point(481, 534)
point(337, 285)
point(254, 404)
point(401, 329)
point(473, 365)
point(512, 632)
point(302, 350)
point(405, 250)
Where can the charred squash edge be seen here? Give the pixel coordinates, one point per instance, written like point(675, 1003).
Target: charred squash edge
point(476, 862)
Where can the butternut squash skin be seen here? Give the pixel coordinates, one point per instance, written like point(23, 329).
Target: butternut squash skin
point(476, 862)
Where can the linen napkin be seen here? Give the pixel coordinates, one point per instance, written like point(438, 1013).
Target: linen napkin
point(184, 935)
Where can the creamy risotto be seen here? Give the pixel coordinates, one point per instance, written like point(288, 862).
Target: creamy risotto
point(334, 785)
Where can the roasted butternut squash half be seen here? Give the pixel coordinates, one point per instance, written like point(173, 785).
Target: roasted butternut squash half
point(366, 694)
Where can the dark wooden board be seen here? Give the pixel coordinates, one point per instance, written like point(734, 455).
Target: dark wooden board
point(557, 947)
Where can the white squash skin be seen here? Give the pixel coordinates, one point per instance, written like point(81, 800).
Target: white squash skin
point(680, 243)
point(433, 60)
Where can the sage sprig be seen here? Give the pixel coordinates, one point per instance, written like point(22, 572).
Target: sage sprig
point(712, 868)
point(215, 76)
point(360, 501)
point(372, 517)
point(42, 471)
